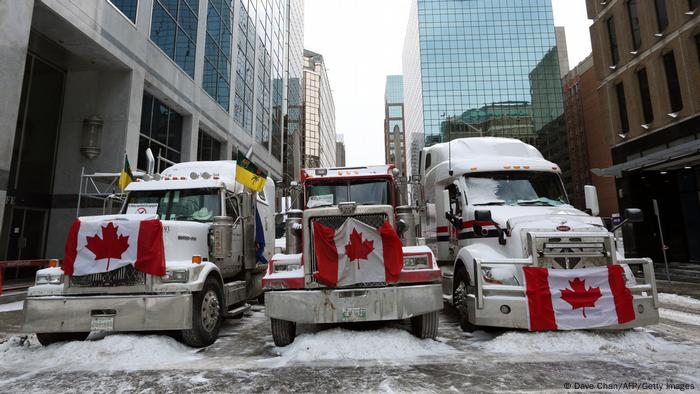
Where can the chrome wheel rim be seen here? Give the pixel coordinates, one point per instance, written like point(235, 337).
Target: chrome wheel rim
point(210, 310)
point(460, 295)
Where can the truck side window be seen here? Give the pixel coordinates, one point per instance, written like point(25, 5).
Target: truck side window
point(232, 207)
point(427, 161)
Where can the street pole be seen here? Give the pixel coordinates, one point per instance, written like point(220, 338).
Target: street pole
point(661, 234)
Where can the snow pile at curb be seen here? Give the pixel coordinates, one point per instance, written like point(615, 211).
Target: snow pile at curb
point(114, 352)
point(389, 344)
point(581, 342)
point(675, 299)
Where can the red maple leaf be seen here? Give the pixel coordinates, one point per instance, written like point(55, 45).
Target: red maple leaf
point(579, 297)
point(110, 246)
point(357, 248)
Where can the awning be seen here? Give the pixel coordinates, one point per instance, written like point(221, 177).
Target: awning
point(670, 154)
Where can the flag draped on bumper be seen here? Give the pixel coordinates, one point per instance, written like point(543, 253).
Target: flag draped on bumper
point(357, 253)
point(562, 299)
point(102, 244)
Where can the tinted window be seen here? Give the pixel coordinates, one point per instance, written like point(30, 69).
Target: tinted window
point(634, 24)
point(174, 30)
point(127, 7)
point(661, 14)
point(674, 87)
point(622, 107)
point(161, 130)
point(612, 38)
point(645, 96)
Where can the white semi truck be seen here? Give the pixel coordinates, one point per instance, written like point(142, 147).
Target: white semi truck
point(492, 206)
point(333, 199)
point(208, 222)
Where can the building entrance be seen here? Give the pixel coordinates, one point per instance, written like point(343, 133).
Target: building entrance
point(33, 157)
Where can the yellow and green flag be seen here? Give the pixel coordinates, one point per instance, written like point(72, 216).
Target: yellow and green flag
point(126, 177)
point(250, 174)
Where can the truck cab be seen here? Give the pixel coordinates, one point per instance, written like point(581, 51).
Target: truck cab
point(208, 229)
point(334, 198)
point(492, 206)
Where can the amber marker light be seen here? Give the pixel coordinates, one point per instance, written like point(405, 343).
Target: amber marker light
point(53, 263)
point(196, 259)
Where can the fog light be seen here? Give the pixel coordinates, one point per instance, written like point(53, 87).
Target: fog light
point(640, 308)
point(505, 309)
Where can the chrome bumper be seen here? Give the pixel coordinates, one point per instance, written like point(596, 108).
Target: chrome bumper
point(130, 313)
point(347, 305)
point(485, 306)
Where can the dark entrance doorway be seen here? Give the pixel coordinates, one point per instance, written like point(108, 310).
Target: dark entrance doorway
point(33, 156)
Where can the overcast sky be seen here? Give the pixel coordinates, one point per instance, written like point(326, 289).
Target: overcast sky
point(361, 42)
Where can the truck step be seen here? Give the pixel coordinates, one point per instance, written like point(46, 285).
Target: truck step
point(238, 312)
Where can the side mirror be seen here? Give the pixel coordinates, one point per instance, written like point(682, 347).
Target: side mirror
point(634, 215)
point(591, 195)
point(401, 227)
point(446, 201)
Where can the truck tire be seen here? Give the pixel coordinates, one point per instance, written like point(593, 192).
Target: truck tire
point(46, 339)
point(207, 315)
point(459, 299)
point(426, 326)
point(283, 331)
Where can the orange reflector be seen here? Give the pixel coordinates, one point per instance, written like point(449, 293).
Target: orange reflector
point(516, 167)
point(196, 259)
point(526, 167)
point(506, 167)
point(53, 263)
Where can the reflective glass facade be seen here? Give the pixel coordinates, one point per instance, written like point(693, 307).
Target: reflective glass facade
point(217, 52)
point(319, 114)
point(127, 7)
point(480, 67)
point(161, 130)
point(295, 101)
point(394, 138)
point(174, 30)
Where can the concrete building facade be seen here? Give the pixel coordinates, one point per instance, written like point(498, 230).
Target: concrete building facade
point(394, 126)
point(319, 114)
point(87, 82)
point(340, 151)
point(647, 59)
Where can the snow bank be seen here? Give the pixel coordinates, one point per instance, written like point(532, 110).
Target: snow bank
point(581, 342)
point(681, 317)
point(389, 344)
point(12, 306)
point(114, 352)
point(678, 300)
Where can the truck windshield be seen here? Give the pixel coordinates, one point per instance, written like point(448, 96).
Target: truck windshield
point(361, 192)
point(515, 188)
point(198, 205)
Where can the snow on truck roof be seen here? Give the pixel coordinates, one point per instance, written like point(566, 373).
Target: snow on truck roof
point(340, 172)
point(482, 154)
point(194, 175)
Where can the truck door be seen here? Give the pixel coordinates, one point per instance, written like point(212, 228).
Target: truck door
point(455, 216)
point(233, 210)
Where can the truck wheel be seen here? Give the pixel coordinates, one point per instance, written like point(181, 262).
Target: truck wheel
point(459, 299)
point(426, 326)
point(46, 339)
point(283, 331)
point(207, 315)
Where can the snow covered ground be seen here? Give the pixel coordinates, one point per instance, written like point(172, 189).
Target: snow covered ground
point(12, 306)
point(361, 358)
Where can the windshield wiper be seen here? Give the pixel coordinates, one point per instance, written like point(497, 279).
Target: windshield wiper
point(491, 203)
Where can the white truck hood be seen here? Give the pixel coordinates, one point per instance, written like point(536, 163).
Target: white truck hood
point(545, 218)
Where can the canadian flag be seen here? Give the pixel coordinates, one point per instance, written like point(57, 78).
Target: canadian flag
point(104, 243)
point(357, 253)
point(561, 299)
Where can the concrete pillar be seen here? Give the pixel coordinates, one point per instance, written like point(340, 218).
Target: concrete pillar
point(15, 24)
point(190, 132)
point(131, 145)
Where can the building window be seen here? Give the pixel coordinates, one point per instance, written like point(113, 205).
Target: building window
point(612, 38)
point(174, 30)
point(693, 4)
point(674, 86)
point(661, 14)
point(245, 71)
point(634, 24)
point(622, 108)
point(217, 52)
point(645, 96)
point(208, 148)
point(127, 7)
point(697, 46)
point(161, 130)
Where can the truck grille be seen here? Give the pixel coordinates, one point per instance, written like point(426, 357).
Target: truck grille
point(334, 222)
point(573, 252)
point(124, 276)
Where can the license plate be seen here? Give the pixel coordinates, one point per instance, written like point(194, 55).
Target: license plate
point(354, 314)
point(102, 323)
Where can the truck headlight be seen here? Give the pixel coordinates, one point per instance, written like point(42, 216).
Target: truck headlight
point(175, 276)
point(415, 262)
point(49, 279)
point(499, 276)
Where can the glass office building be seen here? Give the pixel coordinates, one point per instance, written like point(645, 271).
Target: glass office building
point(480, 67)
